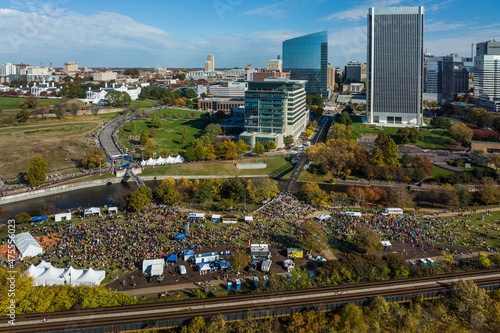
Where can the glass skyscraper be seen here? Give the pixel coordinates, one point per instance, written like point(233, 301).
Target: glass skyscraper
point(306, 58)
point(395, 65)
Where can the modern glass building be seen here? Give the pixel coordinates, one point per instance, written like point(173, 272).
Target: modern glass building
point(274, 108)
point(395, 65)
point(306, 58)
point(487, 81)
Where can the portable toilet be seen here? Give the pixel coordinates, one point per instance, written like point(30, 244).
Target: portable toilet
point(422, 262)
point(430, 261)
point(256, 281)
point(237, 284)
point(412, 262)
point(229, 286)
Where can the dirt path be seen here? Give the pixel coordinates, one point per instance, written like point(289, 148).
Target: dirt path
point(328, 254)
point(448, 214)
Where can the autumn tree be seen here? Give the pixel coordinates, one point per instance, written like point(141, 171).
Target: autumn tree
point(133, 127)
point(313, 236)
point(422, 167)
point(167, 193)
point(367, 240)
point(312, 194)
point(242, 147)
point(139, 199)
point(271, 145)
point(340, 131)
point(228, 150)
point(401, 196)
point(94, 158)
point(488, 192)
point(289, 140)
point(385, 152)
point(37, 171)
point(152, 132)
point(461, 133)
point(261, 189)
point(150, 148)
point(258, 149)
point(239, 260)
point(144, 137)
point(337, 155)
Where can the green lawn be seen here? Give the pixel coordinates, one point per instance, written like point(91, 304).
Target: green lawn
point(438, 171)
point(146, 104)
point(432, 138)
point(11, 103)
point(169, 135)
point(276, 166)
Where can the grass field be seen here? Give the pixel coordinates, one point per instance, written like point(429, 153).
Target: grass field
point(276, 166)
point(14, 103)
point(438, 171)
point(53, 139)
point(169, 135)
point(432, 138)
point(146, 104)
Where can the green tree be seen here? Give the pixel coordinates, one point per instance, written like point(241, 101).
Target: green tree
point(289, 140)
point(367, 240)
point(138, 199)
point(341, 131)
point(270, 145)
point(478, 158)
point(352, 317)
point(239, 260)
point(461, 133)
point(441, 122)
point(22, 218)
point(242, 147)
point(405, 159)
point(94, 158)
point(344, 119)
point(133, 127)
point(389, 150)
point(228, 150)
point(167, 193)
point(258, 149)
point(152, 132)
point(312, 194)
point(261, 189)
point(156, 121)
point(196, 325)
point(409, 135)
point(134, 72)
point(150, 148)
point(118, 98)
point(23, 116)
point(37, 171)
point(313, 236)
point(144, 138)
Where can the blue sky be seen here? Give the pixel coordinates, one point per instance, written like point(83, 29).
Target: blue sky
point(238, 32)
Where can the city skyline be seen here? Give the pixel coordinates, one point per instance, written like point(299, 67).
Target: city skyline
point(122, 34)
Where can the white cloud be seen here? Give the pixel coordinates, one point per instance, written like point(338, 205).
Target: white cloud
point(442, 26)
point(359, 12)
point(275, 11)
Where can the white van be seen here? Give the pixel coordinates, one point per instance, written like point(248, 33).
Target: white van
point(181, 269)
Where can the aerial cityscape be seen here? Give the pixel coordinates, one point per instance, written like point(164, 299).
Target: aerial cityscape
point(231, 166)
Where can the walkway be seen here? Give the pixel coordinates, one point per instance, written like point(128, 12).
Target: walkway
point(138, 180)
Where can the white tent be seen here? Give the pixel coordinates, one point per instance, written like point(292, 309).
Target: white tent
point(44, 264)
point(204, 268)
point(91, 278)
point(170, 160)
point(50, 277)
point(153, 267)
point(35, 271)
point(248, 218)
point(323, 217)
point(71, 275)
point(92, 211)
point(27, 245)
point(113, 209)
point(150, 161)
point(143, 163)
point(63, 216)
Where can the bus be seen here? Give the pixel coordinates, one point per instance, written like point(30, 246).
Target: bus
point(393, 211)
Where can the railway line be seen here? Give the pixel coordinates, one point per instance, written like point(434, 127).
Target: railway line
point(166, 314)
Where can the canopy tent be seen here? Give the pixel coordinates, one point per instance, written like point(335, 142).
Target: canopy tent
point(180, 236)
point(91, 278)
point(196, 215)
point(51, 276)
point(62, 216)
point(71, 275)
point(386, 243)
point(172, 258)
point(161, 161)
point(113, 210)
point(44, 264)
point(35, 271)
point(92, 211)
point(188, 255)
point(323, 217)
point(153, 267)
point(204, 268)
point(215, 217)
point(27, 245)
point(39, 218)
point(353, 213)
point(249, 218)
point(224, 265)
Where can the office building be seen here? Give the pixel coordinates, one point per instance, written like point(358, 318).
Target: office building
point(330, 78)
point(433, 79)
point(7, 69)
point(70, 66)
point(448, 84)
point(104, 76)
point(395, 65)
point(275, 64)
point(487, 81)
point(306, 58)
point(353, 71)
point(491, 47)
point(274, 109)
point(210, 63)
point(232, 90)
point(262, 74)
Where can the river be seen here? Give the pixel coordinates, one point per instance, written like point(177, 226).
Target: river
point(110, 195)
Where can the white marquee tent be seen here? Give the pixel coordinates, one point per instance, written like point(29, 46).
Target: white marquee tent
point(153, 267)
point(27, 245)
point(92, 211)
point(162, 161)
point(113, 210)
point(44, 274)
point(63, 216)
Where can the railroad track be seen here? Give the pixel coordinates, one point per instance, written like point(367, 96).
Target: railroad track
point(143, 313)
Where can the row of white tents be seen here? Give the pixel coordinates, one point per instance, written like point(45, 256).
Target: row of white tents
point(44, 274)
point(161, 161)
point(27, 245)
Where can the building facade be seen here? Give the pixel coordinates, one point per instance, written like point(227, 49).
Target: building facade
point(353, 71)
point(275, 64)
point(233, 90)
point(215, 104)
point(104, 76)
point(487, 75)
point(274, 109)
point(7, 69)
point(210, 63)
point(491, 47)
point(395, 65)
point(70, 66)
point(330, 78)
point(306, 58)
point(262, 74)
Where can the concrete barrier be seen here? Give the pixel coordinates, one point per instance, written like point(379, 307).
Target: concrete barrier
point(262, 165)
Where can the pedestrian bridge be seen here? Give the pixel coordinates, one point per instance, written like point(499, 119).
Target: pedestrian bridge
point(130, 174)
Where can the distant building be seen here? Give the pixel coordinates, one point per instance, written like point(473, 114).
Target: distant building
point(487, 75)
point(433, 78)
point(233, 90)
point(70, 66)
point(104, 76)
point(274, 109)
point(7, 69)
point(97, 96)
point(275, 64)
point(330, 78)
point(395, 65)
point(210, 63)
point(262, 74)
point(353, 71)
point(355, 88)
point(306, 58)
point(49, 89)
point(219, 104)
